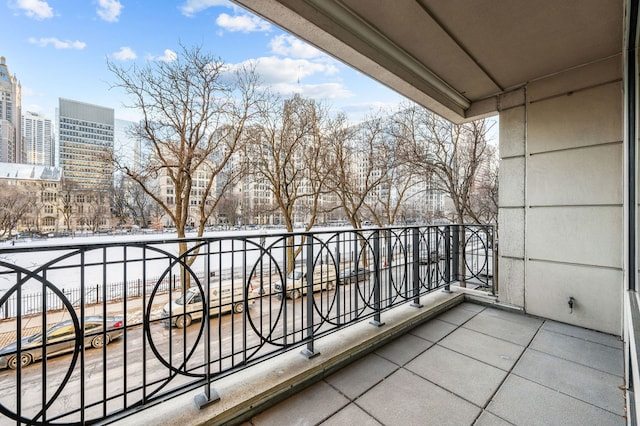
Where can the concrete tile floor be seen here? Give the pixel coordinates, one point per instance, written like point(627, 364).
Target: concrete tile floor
point(472, 365)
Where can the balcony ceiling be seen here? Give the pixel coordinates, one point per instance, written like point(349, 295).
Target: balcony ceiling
point(454, 56)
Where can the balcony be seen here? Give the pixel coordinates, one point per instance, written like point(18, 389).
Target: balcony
point(472, 365)
point(397, 340)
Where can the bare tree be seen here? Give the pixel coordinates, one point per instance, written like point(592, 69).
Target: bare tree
point(451, 154)
point(140, 205)
point(131, 203)
point(38, 193)
point(119, 204)
point(361, 179)
point(485, 195)
point(362, 166)
point(194, 111)
point(67, 203)
point(398, 182)
point(287, 150)
point(228, 208)
point(15, 203)
point(97, 210)
point(156, 213)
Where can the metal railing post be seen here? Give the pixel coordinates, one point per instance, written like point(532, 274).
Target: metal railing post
point(209, 394)
point(338, 281)
point(18, 354)
point(309, 351)
point(460, 248)
point(494, 254)
point(455, 239)
point(285, 268)
point(447, 258)
point(388, 260)
point(355, 259)
point(376, 280)
point(415, 243)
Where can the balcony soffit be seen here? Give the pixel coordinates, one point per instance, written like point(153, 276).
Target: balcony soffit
point(448, 55)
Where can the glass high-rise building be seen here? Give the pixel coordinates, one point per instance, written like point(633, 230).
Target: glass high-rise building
point(10, 111)
point(37, 134)
point(85, 137)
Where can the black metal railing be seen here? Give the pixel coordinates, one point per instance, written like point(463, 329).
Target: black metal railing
point(31, 302)
point(262, 293)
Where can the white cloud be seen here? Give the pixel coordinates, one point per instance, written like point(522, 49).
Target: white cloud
point(275, 70)
point(314, 91)
point(58, 44)
point(169, 56)
point(285, 75)
point(37, 9)
point(287, 45)
point(125, 54)
point(191, 7)
point(327, 91)
point(109, 10)
point(242, 23)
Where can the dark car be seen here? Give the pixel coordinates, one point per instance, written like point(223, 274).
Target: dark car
point(350, 275)
point(60, 339)
point(432, 257)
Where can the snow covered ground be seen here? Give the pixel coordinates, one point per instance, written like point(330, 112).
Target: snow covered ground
point(71, 261)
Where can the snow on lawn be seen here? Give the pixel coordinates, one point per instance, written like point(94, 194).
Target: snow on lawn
point(70, 261)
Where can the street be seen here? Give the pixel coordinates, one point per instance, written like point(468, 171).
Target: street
point(139, 364)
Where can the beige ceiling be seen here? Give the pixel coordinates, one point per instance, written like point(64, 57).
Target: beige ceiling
point(451, 54)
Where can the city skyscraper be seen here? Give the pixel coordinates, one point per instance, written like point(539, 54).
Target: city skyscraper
point(37, 134)
point(10, 112)
point(86, 138)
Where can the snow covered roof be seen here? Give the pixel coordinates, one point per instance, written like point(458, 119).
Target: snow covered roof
point(29, 172)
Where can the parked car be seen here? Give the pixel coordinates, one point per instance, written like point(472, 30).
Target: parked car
point(324, 278)
point(60, 339)
point(350, 275)
point(432, 257)
point(183, 310)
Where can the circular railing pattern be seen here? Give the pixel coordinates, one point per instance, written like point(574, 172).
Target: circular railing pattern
point(181, 262)
point(476, 241)
point(432, 258)
point(26, 275)
point(397, 242)
point(387, 256)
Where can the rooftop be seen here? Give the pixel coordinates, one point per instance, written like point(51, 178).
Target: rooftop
point(29, 172)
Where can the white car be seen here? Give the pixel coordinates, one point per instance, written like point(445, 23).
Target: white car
point(324, 278)
point(183, 310)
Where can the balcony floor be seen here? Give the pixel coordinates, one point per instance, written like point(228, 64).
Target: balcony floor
point(472, 365)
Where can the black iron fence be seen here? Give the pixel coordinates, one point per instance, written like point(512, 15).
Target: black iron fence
point(31, 301)
point(261, 294)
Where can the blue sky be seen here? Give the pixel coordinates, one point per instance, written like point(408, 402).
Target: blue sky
point(58, 48)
